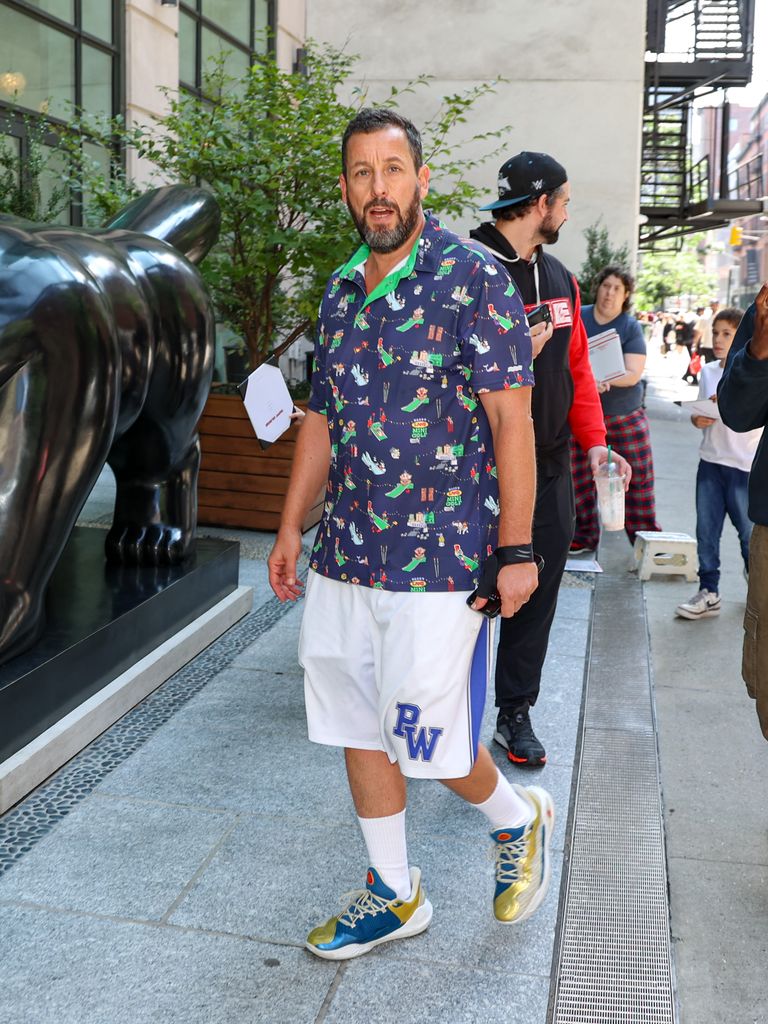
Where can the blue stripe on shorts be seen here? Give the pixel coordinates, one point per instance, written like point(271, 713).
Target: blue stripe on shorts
point(478, 683)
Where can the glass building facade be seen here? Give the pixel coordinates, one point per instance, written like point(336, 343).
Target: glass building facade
point(209, 28)
point(58, 57)
point(56, 54)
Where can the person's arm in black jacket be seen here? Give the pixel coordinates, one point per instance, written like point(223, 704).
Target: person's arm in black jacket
point(742, 395)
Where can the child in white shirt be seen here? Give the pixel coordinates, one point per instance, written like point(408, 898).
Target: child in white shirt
point(721, 480)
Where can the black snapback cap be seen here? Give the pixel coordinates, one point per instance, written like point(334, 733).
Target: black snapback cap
point(527, 176)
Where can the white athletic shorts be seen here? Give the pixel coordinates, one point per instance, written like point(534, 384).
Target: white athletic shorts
point(399, 672)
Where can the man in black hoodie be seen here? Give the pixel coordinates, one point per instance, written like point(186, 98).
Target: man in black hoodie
point(532, 207)
point(742, 397)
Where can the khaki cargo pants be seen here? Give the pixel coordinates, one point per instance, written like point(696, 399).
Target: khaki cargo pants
point(754, 666)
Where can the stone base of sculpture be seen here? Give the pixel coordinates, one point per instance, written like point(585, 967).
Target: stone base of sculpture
point(100, 620)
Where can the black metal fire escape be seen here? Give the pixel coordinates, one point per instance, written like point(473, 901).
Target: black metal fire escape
point(676, 196)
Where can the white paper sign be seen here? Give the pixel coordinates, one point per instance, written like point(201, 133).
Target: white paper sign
point(703, 407)
point(267, 402)
point(582, 565)
point(606, 356)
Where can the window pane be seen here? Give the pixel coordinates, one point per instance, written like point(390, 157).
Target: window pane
point(64, 9)
point(10, 149)
point(262, 23)
point(38, 65)
point(234, 16)
point(97, 18)
point(102, 157)
point(187, 55)
point(97, 81)
point(51, 188)
point(236, 63)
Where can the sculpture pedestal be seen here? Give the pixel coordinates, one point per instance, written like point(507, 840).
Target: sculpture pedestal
point(102, 622)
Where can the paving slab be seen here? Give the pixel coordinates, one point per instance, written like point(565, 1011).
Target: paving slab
point(713, 727)
point(259, 766)
point(244, 888)
point(242, 891)
point(62, 968)
point(381, 991)
point(721, 940)
point(117, 857)
point(714, 769)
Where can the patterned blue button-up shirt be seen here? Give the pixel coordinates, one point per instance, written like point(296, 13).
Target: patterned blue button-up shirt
point(412, 501)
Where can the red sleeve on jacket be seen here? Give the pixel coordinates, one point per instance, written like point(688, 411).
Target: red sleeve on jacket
point(586, 416)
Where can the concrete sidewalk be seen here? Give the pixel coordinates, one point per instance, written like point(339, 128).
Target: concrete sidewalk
point(172, 870)
point(714, 760)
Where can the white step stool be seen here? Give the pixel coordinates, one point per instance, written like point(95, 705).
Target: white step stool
point(666, 554)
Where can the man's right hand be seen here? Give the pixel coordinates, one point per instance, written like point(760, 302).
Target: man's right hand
point(540, 335)
point(282, 564)
point(758, 347)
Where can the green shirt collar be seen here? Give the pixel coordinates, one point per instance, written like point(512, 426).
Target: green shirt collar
point(392, 280)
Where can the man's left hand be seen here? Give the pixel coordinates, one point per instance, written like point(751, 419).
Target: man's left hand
point(515, 584)
point(598, 455)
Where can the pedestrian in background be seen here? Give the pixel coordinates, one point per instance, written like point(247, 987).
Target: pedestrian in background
point(721, 480)
point(531, 209)
point(626, 423)
point(743, 401)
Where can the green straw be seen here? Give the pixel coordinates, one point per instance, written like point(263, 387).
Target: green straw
point(609, 455)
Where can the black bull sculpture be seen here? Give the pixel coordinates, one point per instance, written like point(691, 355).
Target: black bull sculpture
point(106, 355)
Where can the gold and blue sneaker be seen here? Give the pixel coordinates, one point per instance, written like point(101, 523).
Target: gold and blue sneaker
point(523, 861)
point(373, 915)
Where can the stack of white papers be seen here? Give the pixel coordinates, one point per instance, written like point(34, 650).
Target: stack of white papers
point(606, 356)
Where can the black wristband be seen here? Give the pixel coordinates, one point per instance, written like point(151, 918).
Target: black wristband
point(514, 554)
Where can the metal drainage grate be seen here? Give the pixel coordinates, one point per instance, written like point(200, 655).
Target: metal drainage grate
point(614, 961)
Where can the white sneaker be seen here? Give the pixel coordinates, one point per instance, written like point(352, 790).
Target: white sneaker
point(704, 605)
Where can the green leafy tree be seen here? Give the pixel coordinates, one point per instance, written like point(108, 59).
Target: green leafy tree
point(268, 147)
point(669, 275)
point(600, 253)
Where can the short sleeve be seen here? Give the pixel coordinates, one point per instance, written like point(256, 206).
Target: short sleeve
point(633, 341)
point(318, 399)
point(494, 338)
point(708, 380)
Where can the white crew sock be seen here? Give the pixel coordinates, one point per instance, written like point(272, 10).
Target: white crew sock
point(504, 808)
point(387, 851)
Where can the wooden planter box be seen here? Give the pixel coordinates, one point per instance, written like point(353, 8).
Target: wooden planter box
point(242, 484)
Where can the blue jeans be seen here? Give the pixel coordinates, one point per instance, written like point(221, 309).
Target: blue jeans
point(719, 489)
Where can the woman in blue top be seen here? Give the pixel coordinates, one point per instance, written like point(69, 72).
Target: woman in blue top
point(625, 421)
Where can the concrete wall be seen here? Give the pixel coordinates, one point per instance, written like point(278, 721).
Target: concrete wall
point(574, 89)
point(152, 58)
point(151, 62)
point(291, 30)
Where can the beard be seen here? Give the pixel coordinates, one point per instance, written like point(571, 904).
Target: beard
point(549, 232)
point(388, 239)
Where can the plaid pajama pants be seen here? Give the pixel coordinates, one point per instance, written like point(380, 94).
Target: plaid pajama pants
point(630, 437)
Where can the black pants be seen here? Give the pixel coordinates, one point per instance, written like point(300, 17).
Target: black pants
point(523, 639)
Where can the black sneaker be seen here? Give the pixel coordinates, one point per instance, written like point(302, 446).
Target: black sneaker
point(515, 733)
